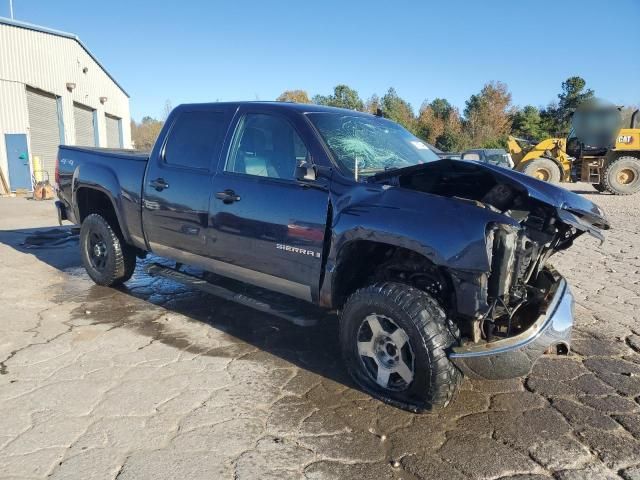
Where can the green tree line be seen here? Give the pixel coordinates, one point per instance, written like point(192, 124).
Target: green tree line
point(488, 118)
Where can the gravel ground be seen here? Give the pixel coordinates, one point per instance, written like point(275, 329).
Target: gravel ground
point(158, 381)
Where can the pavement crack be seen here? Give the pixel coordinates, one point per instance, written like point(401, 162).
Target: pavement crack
point(121, 469)
point(3, 364)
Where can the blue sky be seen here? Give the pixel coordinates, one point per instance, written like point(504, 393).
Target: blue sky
point(198, 50)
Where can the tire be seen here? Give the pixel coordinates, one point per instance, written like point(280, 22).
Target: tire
point(421, 342)
point(543, 169)
point(106, 258)
point(622, 176)
point(599, 187)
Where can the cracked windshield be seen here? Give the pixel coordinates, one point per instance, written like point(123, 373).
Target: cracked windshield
point(369, 145)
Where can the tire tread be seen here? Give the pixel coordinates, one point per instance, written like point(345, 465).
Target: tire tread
point(124, 257)
point(435, 331)
point(605, 177)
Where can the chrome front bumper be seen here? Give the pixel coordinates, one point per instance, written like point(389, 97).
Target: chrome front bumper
point(514, 357)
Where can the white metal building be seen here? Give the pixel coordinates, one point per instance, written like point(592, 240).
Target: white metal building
point(53, 91)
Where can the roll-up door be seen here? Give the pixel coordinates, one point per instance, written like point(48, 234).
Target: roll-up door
point(44, 128)
point(113, 131)
point(83, 119)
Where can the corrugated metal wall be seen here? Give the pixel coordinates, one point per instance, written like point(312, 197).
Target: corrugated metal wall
point(48, 62)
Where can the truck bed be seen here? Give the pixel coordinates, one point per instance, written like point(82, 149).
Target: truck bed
point(129, 154)
point(116, 170)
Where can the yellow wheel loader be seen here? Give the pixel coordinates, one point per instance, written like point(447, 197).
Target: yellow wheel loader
point(546, 160)
point(596, 151)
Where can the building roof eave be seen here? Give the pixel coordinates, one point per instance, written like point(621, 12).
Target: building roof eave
point(51, 31)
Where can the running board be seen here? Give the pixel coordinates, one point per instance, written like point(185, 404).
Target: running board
point(295, 311)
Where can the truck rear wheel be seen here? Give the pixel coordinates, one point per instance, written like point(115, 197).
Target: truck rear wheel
point(107, 259)
point(622, 176)
point(543, 169)
point(394, 339)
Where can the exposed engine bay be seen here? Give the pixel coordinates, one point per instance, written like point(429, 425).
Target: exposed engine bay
point(517, 285)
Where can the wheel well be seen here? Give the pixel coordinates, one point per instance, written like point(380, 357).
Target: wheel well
point(614, 155)
point(363, 262)
point(91, 201)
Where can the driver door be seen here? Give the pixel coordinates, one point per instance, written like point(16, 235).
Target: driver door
point(267, 226)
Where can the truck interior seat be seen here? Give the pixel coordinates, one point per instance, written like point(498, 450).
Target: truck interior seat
point(253, 156)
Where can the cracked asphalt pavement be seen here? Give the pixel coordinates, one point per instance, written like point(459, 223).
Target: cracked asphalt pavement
point(155, 380)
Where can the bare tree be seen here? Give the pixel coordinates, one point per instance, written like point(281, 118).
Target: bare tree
point(144, 134)
point(167, 109)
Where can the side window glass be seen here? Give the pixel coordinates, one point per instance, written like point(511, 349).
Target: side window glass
point(266, 146)
point(195, 139)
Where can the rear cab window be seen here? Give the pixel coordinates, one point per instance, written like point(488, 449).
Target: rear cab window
point(195, 139)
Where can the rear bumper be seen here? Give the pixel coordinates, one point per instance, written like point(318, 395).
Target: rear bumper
point(515, 356)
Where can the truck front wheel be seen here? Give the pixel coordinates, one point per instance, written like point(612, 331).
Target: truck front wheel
point(394, 339)
point(107, 259)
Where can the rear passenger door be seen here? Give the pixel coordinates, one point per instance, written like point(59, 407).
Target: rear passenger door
point(177, 186)
point(267, 227)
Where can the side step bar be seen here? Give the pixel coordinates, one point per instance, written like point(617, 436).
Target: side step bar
point(295, 311)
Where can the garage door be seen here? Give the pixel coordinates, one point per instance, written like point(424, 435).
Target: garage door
point(113, 131)
point(83, 121)
point(44, 128)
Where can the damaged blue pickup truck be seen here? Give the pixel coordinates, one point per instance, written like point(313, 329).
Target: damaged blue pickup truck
point(437, 268)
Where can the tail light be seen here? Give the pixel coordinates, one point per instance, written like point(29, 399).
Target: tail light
point(57, 174)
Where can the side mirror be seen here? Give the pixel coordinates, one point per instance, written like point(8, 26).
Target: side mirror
point(306, 171)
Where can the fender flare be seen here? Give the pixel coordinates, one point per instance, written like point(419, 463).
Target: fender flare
point(450, 233)
point(103, 180)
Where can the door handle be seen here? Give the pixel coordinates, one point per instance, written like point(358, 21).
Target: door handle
point(228, 196)
point(159, 184)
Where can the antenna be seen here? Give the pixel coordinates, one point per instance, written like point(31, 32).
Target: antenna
point(11, 8)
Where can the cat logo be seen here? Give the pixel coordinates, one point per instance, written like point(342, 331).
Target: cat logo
point(301, 251)
point(625, 139)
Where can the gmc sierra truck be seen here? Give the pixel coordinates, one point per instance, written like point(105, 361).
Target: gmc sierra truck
point(437, 268)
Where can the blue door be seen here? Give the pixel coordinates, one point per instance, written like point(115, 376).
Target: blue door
point(18, 156)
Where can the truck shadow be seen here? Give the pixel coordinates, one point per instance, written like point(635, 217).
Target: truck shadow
point(55, 246)
point(314, 348)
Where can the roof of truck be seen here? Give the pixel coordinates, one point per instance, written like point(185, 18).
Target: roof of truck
point(300, 107)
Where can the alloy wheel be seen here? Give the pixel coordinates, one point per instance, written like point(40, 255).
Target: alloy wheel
point(385, 352)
